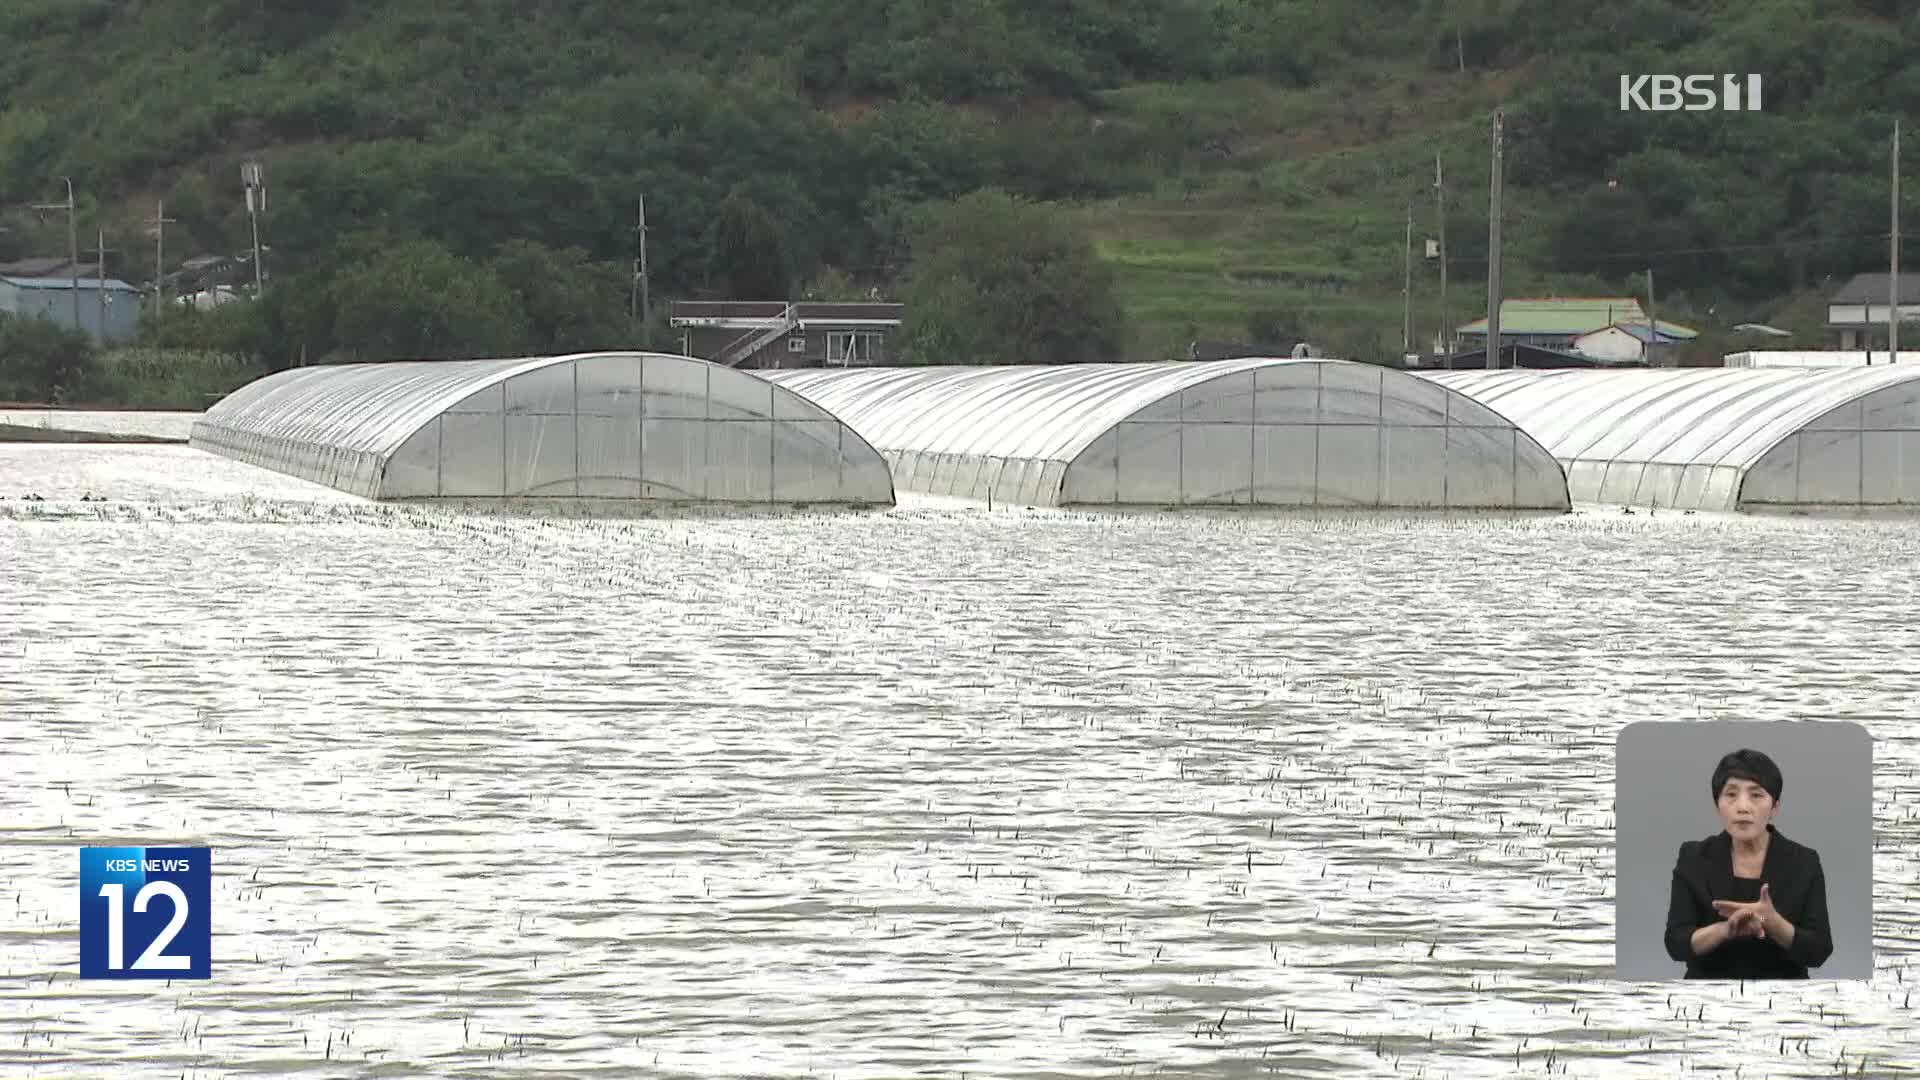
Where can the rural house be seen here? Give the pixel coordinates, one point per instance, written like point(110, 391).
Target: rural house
point(1857, 314)
point(778, 334)
point(1557, 323)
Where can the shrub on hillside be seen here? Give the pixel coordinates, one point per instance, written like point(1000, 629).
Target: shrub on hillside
point(40, 361)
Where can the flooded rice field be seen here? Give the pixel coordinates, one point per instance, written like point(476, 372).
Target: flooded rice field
point(926, 792)
point(99, 425)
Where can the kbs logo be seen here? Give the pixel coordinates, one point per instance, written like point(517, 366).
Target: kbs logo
point(146, 913)
point(1690, 93)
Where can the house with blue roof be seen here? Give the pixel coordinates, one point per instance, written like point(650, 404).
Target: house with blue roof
point(108, 311)
point(1631, 343)
point(1560, 322)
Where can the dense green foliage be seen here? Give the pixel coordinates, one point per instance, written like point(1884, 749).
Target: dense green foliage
point(188, 379)
point(460, 176)
point(41, 361)
point(750, 251)
point(994, 280)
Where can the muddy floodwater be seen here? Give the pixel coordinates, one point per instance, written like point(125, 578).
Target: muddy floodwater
point(925, 792)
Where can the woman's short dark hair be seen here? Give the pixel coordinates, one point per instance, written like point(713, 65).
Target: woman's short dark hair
point(1748, 765)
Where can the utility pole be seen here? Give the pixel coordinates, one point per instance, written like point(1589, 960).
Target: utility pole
point(1406, 287)
point(639, 294)
point(73, 245)
point(1440, 211)
point(159, 221)
point(101, 281)
point(1653, 324)
point(1493, 253)
point(73, 251)
point(253, 175)
point(1893, 257)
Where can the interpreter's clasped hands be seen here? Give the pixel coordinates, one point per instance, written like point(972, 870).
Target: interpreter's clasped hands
point(1747, 920)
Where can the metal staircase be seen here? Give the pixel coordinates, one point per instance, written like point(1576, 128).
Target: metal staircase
point(754, 340)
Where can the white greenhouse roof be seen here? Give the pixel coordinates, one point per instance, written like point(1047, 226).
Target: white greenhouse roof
point(1814, 358)
point(1266, 431)
point(614, 424)
point(1049, 413)
point(1700, 430)
point(368, 407)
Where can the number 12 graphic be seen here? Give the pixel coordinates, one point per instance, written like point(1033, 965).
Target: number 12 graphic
point(169, 920)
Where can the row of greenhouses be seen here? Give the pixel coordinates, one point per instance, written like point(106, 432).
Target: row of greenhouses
point(1279, 432)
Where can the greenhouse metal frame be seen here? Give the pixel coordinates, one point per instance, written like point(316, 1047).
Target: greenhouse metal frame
point(1721, 439)
point(607, 425)
point(1249, 432)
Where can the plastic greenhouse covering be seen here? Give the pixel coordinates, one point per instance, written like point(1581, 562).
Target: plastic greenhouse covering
point(1272, 432)
point(618, 425)
point(1721, 438)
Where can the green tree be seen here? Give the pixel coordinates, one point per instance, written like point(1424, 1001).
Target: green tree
point(750, 257)
point(419, 301)
point(240, 327)
point(832, 285)
point(41, 361)
point(26, 142)
point(570, 303)
point(996, 279)
point(192, 203)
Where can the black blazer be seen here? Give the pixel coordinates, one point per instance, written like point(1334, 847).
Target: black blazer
point(1704, 873)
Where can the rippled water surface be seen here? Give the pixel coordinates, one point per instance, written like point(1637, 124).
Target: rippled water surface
point(926, 792)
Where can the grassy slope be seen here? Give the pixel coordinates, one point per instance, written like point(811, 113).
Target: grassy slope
point(1308, 215)
point(1299, 205)
point(1306, 211)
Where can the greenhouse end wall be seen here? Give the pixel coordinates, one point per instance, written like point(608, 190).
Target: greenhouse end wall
point(1317, 433)
point(1866, 454)
point(1721, 439)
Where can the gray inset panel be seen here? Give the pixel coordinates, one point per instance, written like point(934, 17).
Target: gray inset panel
point(675, 389)
point(540, 456)
point(473, 460)
point(1285, 460)
point(610, 457)
point(1417, 460)
point(544, 391)
point(1349, 473)
point(1148, 457)
point(1216, 462)
point(740, 460)
point(673, 458)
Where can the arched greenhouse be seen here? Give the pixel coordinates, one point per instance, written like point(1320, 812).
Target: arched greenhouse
point(1251, 432)
point(611, 425)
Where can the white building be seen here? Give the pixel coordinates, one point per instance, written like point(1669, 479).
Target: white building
point(1626, 343)
point(1857, 314)
point(210, 298)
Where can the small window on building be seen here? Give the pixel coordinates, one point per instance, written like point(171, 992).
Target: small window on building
point(853, 348)
point(797, 343)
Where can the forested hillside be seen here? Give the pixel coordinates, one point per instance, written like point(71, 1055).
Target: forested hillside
point(462, 175)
